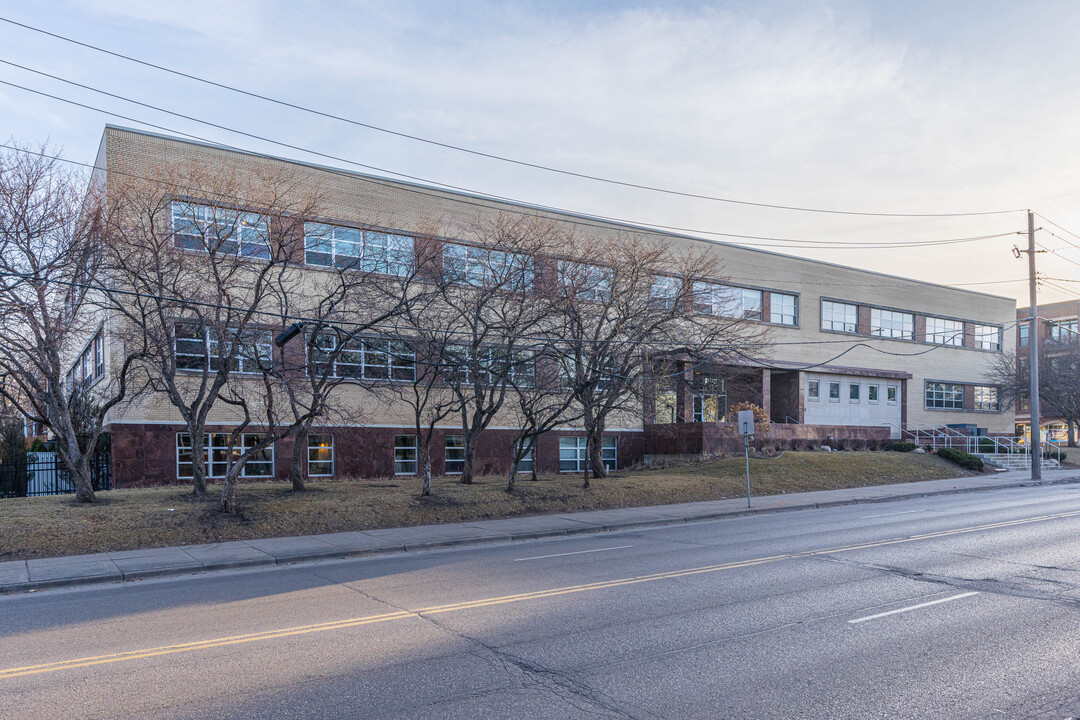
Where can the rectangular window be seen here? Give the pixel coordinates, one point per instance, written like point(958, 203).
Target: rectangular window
point(853, 392)
point(199, 348)
point(1063, 331)
point(1025, 328)
point(492, 365)
point(220, 231)
point(892, 324)
point(320, 455)
point(99, 356)
point(944, 396)
point(573, 453)
point(525, 464)
point(710, 397)
point(362, 358)
point(88, 367)
point(872, 393)
point(354, 249)
point(727, 301)
point(986, 398)
point(891, 393)
point(834, 391)
point(783, 309)
point(842, 317)
point(944, 332)
point(665, 292)
point(988, 337)
point(454, 454)
point(405, 454)
point(483, 267)
point(813, 389)
point(218, 455)
point(588, 282)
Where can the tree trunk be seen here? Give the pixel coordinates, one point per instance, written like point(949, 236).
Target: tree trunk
point(514, 460)
point(298, 472)
point(595, 448)
point(84, 484)
point(228, 491)
point(467, 471)
point(78, 464)
point(1072, 433)
point(198, 463)
point(425, 461)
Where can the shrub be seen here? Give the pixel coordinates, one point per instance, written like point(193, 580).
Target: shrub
point(961, 458)
point(902, 446)
point(38, 445)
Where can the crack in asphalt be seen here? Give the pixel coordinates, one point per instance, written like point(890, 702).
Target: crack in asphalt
point(539, 677)
point(989, 585)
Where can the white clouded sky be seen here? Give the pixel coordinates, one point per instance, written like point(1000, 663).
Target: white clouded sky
point(878, 106)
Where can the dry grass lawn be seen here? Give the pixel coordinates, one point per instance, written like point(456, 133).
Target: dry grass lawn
point(154, 517)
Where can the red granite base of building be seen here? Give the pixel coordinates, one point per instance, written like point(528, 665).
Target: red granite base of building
point(145, 454)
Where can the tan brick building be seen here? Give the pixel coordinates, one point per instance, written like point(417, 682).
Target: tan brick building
point(854, 354)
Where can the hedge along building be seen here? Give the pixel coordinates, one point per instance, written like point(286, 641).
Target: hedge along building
point(812, 311)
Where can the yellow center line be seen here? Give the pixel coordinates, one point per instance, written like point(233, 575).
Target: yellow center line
point(488, 602)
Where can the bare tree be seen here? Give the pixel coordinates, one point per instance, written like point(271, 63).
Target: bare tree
point(50, 254)
point(192, 262)
point(628, 308)
point(1059, 381)
point(488, 291)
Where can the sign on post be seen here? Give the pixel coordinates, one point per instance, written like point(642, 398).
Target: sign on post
point(746, 427)
point(746, 422)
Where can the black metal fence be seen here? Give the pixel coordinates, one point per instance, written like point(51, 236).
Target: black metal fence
point(44, 474)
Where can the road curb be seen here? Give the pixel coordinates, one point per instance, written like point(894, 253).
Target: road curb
point(271, 561)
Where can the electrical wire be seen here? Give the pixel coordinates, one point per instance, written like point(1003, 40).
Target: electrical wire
point(772, 241)
point(492, 156)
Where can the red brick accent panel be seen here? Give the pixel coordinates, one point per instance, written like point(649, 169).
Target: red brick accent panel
point(145, 454)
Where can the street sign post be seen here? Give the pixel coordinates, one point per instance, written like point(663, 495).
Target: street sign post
point(746, 427)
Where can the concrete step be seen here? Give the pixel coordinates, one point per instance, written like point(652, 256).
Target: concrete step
point(1016, 461)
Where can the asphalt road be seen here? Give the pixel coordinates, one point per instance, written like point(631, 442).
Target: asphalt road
point(961, 606)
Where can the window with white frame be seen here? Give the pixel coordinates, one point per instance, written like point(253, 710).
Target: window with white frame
point(218, 454)
point(588, 282)
point(220, 230)
point(1024, 328)
point(484, 267)
point(1062, 331)
point(89, 366)
point(853, 392)
point(665, 292)
point(834, 391)
point(988, 337)
point(841, 317)
point(525, 464)
point(320, 458)
point(783, 309)
point(492, 364)
point(405, 454)
point(573, 453)
point(362, 358)
point(944, 396)
point(891, 394)
point(944, 332)
point(199, 348)
point(813, 389)
point(892, 324)
point(355, 249)
point(986, 398)
point(454, 454)
point(727, 301)
point(872, 393)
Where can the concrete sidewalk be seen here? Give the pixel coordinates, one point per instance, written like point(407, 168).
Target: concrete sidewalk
point(22, 575)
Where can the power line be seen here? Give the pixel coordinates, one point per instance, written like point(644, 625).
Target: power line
point(491, 156)
point(775, 242)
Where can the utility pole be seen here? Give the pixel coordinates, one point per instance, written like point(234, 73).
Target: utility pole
point(1033, 362)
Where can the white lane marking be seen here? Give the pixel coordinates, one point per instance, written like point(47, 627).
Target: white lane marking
point(906, 512)
point(579, 552)
point(913, 607)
